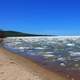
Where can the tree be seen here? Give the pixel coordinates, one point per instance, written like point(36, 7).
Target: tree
point(2, 36)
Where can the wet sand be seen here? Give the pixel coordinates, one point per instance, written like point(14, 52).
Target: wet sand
point(16, 67)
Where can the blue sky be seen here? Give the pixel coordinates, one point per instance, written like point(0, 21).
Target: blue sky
point(60, 17)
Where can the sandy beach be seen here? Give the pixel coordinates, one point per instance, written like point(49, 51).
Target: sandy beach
point(16, 67)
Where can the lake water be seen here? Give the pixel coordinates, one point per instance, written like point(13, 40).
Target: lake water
point(60, 53)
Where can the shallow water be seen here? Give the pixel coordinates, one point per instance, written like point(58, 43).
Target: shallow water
point(59, 54)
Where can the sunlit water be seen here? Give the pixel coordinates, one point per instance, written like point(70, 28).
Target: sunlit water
point(60, 54)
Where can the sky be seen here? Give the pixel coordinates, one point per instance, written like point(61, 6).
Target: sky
point(57, 17)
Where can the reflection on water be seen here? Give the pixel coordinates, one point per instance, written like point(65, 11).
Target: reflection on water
point(60, 54)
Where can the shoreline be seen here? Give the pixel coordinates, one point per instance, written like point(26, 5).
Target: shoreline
point(27, 66)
